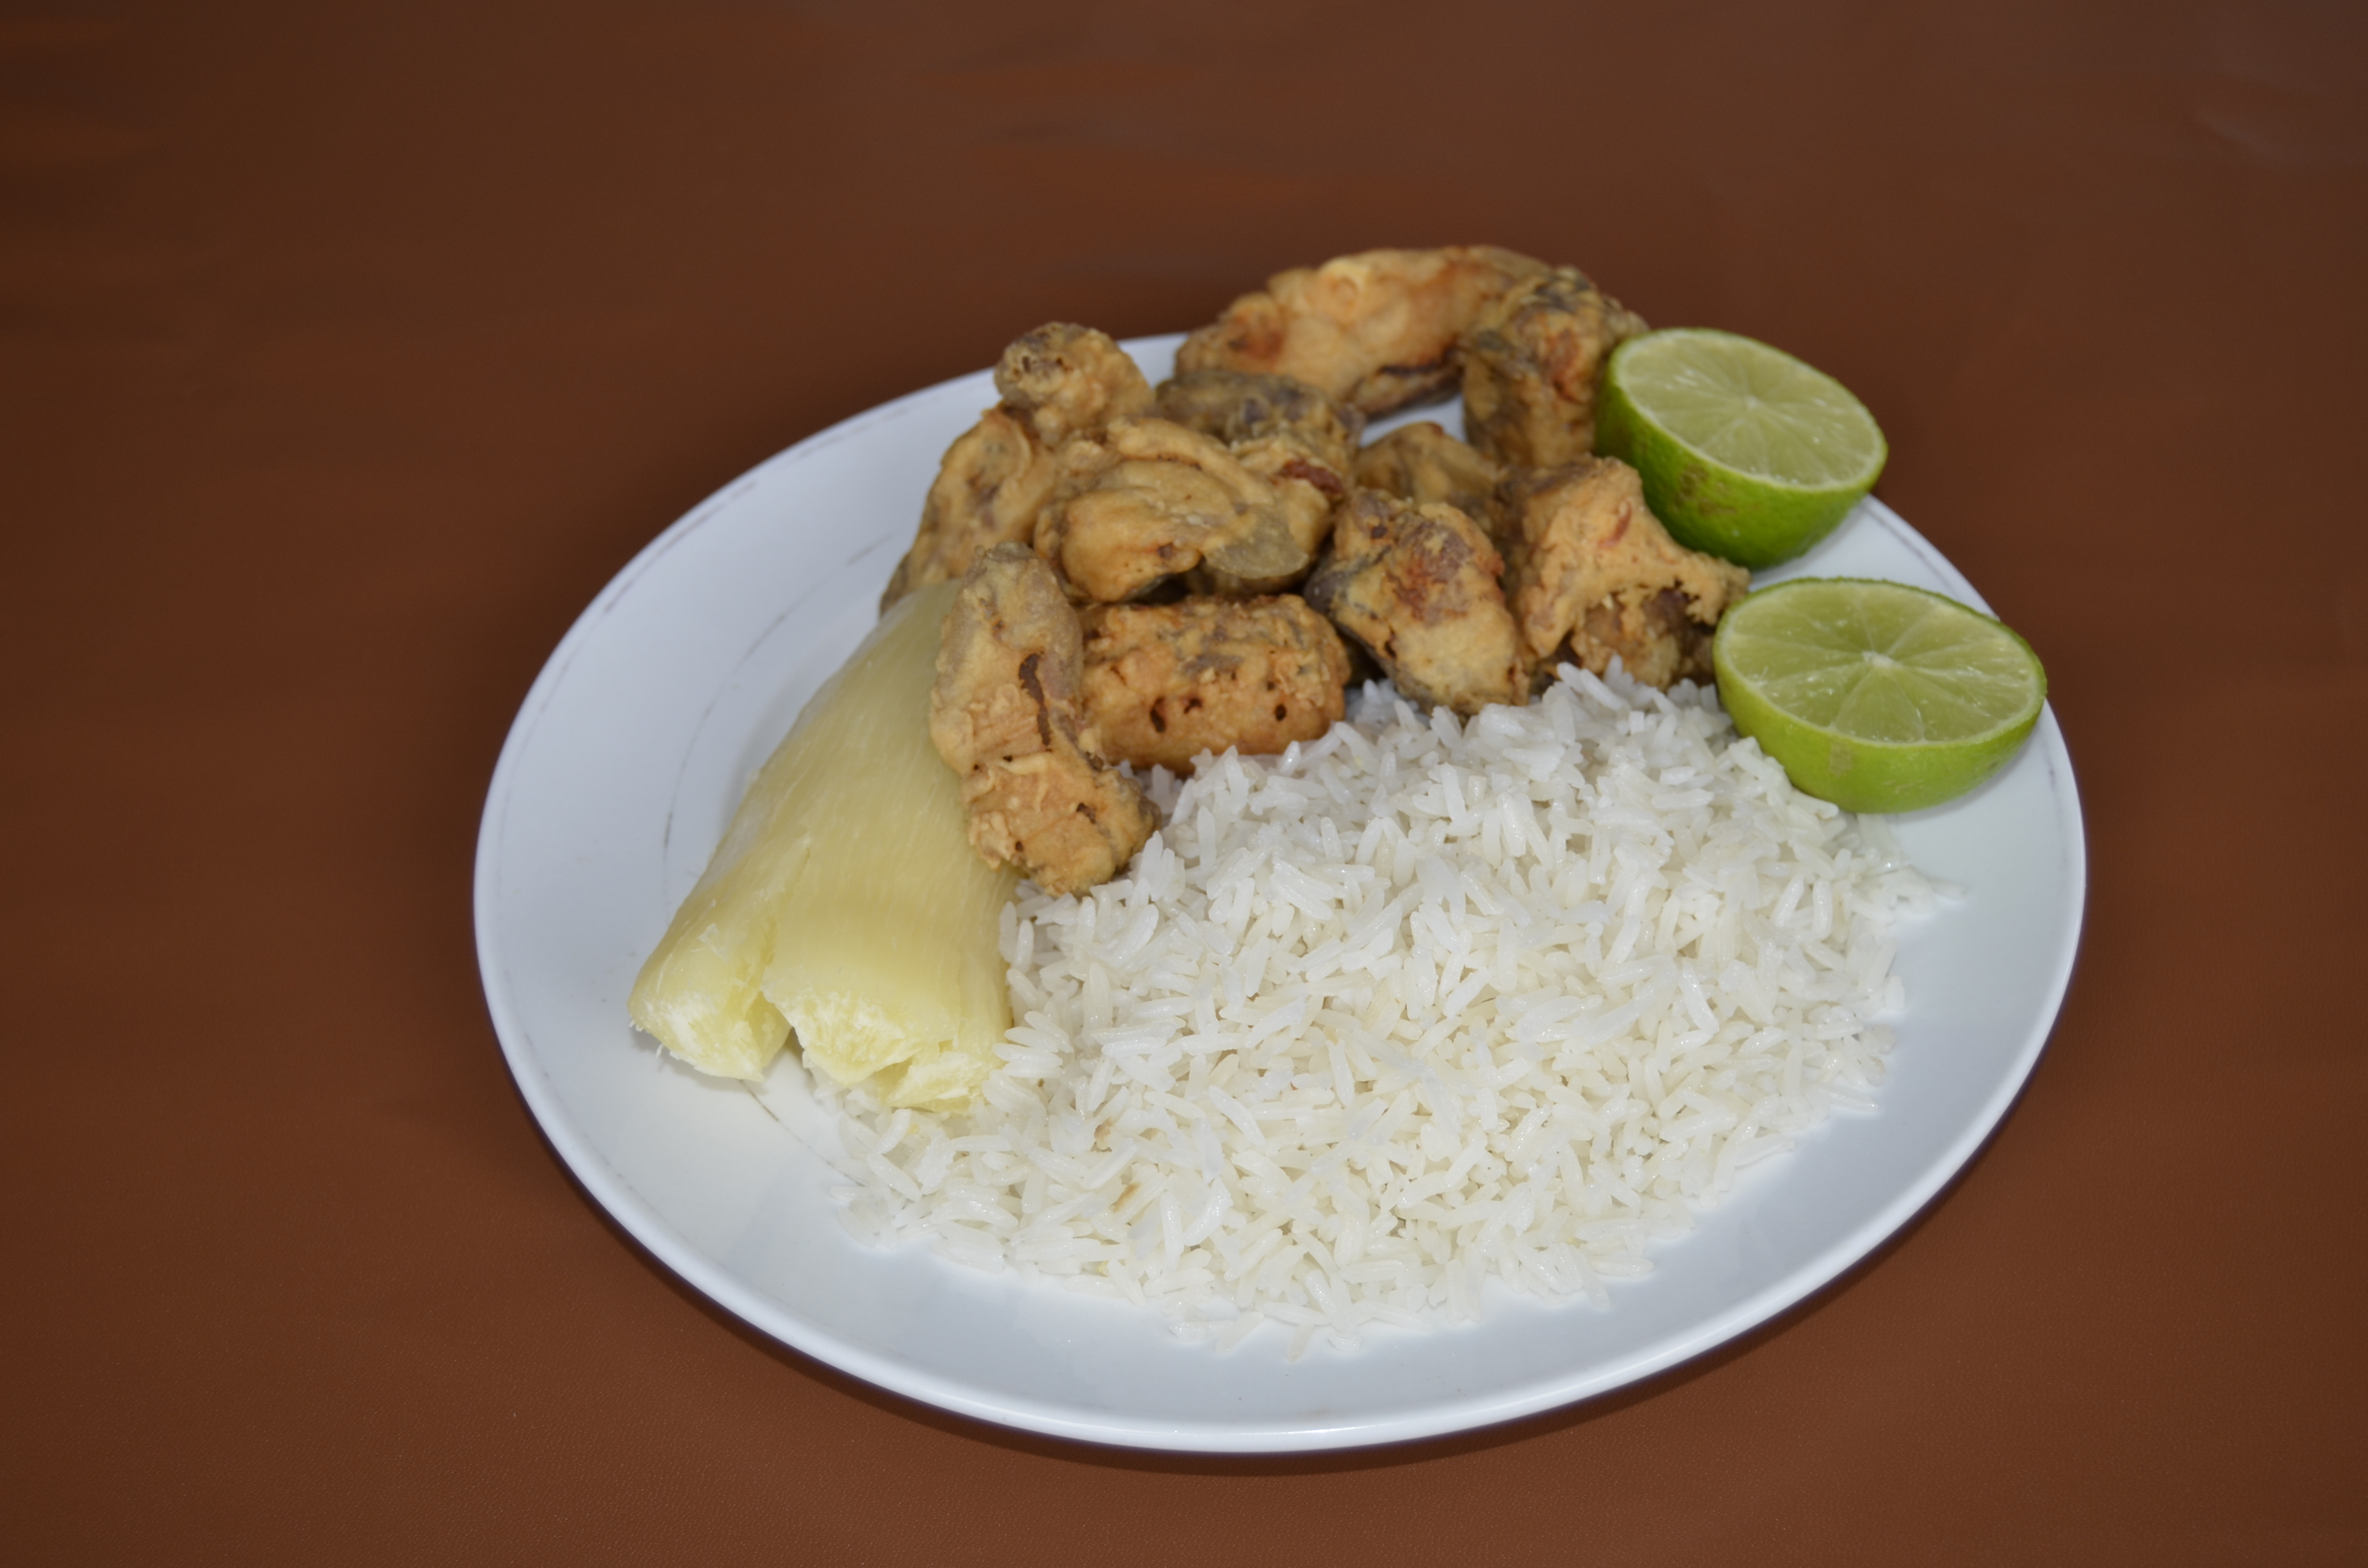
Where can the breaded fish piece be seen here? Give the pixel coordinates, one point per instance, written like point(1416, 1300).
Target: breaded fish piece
point(1069, 381)
point(1005, 714)
point(1255, 415)
point(992, 482)
point(1377, 330)
point(1164, 683)
point(1422, 462)
point(1417, 583)
point(1298, 439)
point(1058, 382)
point(1149, 499)
point(1592, 572)
point(1532, 363)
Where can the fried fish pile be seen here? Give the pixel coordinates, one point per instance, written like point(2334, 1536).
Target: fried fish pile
point(1150, 574)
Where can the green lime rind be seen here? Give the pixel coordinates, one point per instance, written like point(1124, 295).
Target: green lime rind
point(1745, 452)
point(1876, 696)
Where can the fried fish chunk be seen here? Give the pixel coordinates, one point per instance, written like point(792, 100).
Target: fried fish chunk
point(1533, 363)
point(1005, 713)
point(1164, 683)
point(1058, 382)
point(992, 482)
point(1377, 329)
point(1272, 423)
point(1298, 439)
point(1417, 583)
point(1422, 462)
point(1069, 381)
point(1590, 568)
point(1149, 499)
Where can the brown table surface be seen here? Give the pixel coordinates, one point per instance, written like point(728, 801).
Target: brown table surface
point(345, 355)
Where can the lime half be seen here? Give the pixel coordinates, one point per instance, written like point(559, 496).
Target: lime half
point(1745, 452)
point(1876, 696)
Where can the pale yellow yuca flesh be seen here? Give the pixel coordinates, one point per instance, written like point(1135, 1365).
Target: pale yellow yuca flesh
point(845, 901)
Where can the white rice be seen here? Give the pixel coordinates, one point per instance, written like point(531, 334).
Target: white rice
point(1420, 1004)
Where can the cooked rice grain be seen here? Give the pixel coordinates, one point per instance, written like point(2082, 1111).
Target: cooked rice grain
point(1418, 1006)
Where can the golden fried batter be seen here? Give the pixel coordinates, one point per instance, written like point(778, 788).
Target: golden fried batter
point(1592, 567)
point(1150, 499)
point(1423, 462)
point(1057, 381)
point(1256, 414)
point(1286, 432)
point(1005, 715)
point(1164, 683)
point(1377, 330)
point(1417, 582)
point(1069, 381)
point(1531, 364)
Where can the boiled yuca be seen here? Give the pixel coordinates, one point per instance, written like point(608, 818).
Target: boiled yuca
point(845, 902)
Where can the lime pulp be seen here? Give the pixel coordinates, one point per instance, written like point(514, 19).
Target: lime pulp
point(1745, 452)
point(1876, 696)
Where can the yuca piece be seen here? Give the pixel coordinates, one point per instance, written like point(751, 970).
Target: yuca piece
point(1164, 683)
point(843, 901)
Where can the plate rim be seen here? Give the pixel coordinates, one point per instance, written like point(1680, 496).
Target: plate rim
point(616, 1195)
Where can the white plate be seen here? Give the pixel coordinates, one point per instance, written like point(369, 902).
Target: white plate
point(633, 747)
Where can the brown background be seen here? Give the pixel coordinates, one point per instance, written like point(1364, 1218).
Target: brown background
point(344, 356)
